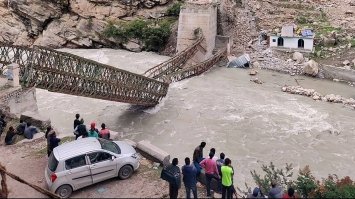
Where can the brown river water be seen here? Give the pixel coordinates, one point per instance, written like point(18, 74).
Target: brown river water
point(252, 124)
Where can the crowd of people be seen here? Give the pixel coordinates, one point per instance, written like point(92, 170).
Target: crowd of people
point(219, 169)
point(28, 130)
point(81, 131)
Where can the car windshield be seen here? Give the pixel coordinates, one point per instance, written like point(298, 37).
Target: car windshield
point(52, 162)
point(109, 146)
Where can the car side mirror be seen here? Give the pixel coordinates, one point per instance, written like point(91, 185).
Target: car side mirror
point(113, 158)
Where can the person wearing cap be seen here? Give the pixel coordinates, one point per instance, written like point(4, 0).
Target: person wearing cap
point(93, 132)
point(211, 171)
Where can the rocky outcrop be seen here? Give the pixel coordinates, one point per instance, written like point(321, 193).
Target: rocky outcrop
point(311, 68)
point(64, 23)
point(317, 96)
point(298, 57)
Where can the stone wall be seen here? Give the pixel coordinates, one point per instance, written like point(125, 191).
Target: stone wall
point(19, 101)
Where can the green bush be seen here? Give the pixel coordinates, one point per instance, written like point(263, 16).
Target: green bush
point(153, 34)
point(174, 10)
point(306, 185)
point(305, 182)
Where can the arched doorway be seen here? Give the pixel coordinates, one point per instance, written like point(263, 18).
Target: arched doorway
point(300, 43)
point(280, 41)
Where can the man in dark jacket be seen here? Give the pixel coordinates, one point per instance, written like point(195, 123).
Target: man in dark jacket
point(2, 123)
point(53, 142)
point(174, 186)
point(76, 121)
point(10, 136)
point(189, 177)
point(20, 129)
point(81, 130)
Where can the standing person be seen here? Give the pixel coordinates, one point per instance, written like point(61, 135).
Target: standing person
point(275, 191)
point(227, 178)
point(198, 152)
point(104, 132)
point(93, 132)
point(197, 157)
point(10, 136)
point(211, 171)
point(189, 177)
point(76, 121)
point(220, 163)
point(81, 130)
point(30, 131)
point(174, 186)
point(2, 123)
point(53, 142)
point(213, 150)
point(20, 129)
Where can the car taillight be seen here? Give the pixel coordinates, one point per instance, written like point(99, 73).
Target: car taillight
point(53, 177)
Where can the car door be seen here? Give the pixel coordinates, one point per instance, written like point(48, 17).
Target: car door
point(103, 166)
point(78, 171)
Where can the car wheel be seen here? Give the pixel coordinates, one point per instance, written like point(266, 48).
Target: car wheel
point(64, 191)
point(125, 172)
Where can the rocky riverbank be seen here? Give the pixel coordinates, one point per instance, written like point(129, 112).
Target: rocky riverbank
point(318, 96)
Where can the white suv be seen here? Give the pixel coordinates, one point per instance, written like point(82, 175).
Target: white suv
point(86, 161)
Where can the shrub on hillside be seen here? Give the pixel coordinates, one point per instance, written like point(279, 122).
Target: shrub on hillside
point(153, 34)
point(306, 185)
point(174, 10)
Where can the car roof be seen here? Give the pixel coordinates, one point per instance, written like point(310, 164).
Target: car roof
point(76, 147)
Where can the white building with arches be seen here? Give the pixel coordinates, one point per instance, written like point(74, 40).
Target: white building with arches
point(290, 41)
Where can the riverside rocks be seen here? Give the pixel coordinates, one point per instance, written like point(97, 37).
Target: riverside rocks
point(311, 68)
point(317, 96)
point(298, 57)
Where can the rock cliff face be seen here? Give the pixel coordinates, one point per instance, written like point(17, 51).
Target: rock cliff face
point(64, 23)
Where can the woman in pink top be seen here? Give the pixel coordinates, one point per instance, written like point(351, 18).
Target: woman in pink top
point(104, 132)
point(211, 171)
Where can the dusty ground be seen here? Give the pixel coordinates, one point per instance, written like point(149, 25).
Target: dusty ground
point(28, 161)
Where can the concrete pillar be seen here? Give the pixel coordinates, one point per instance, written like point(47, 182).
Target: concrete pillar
point(194, 16)
point(13, 72)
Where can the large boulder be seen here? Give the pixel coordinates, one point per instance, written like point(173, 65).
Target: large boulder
point(311, 68)
point(133, 45)
point(298, 57)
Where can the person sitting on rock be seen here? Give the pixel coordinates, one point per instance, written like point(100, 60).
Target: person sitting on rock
point(104, 132)
point(2, 123)
point(93, 132)
point(10, 136)
point(20, 129)
point(30, 131)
